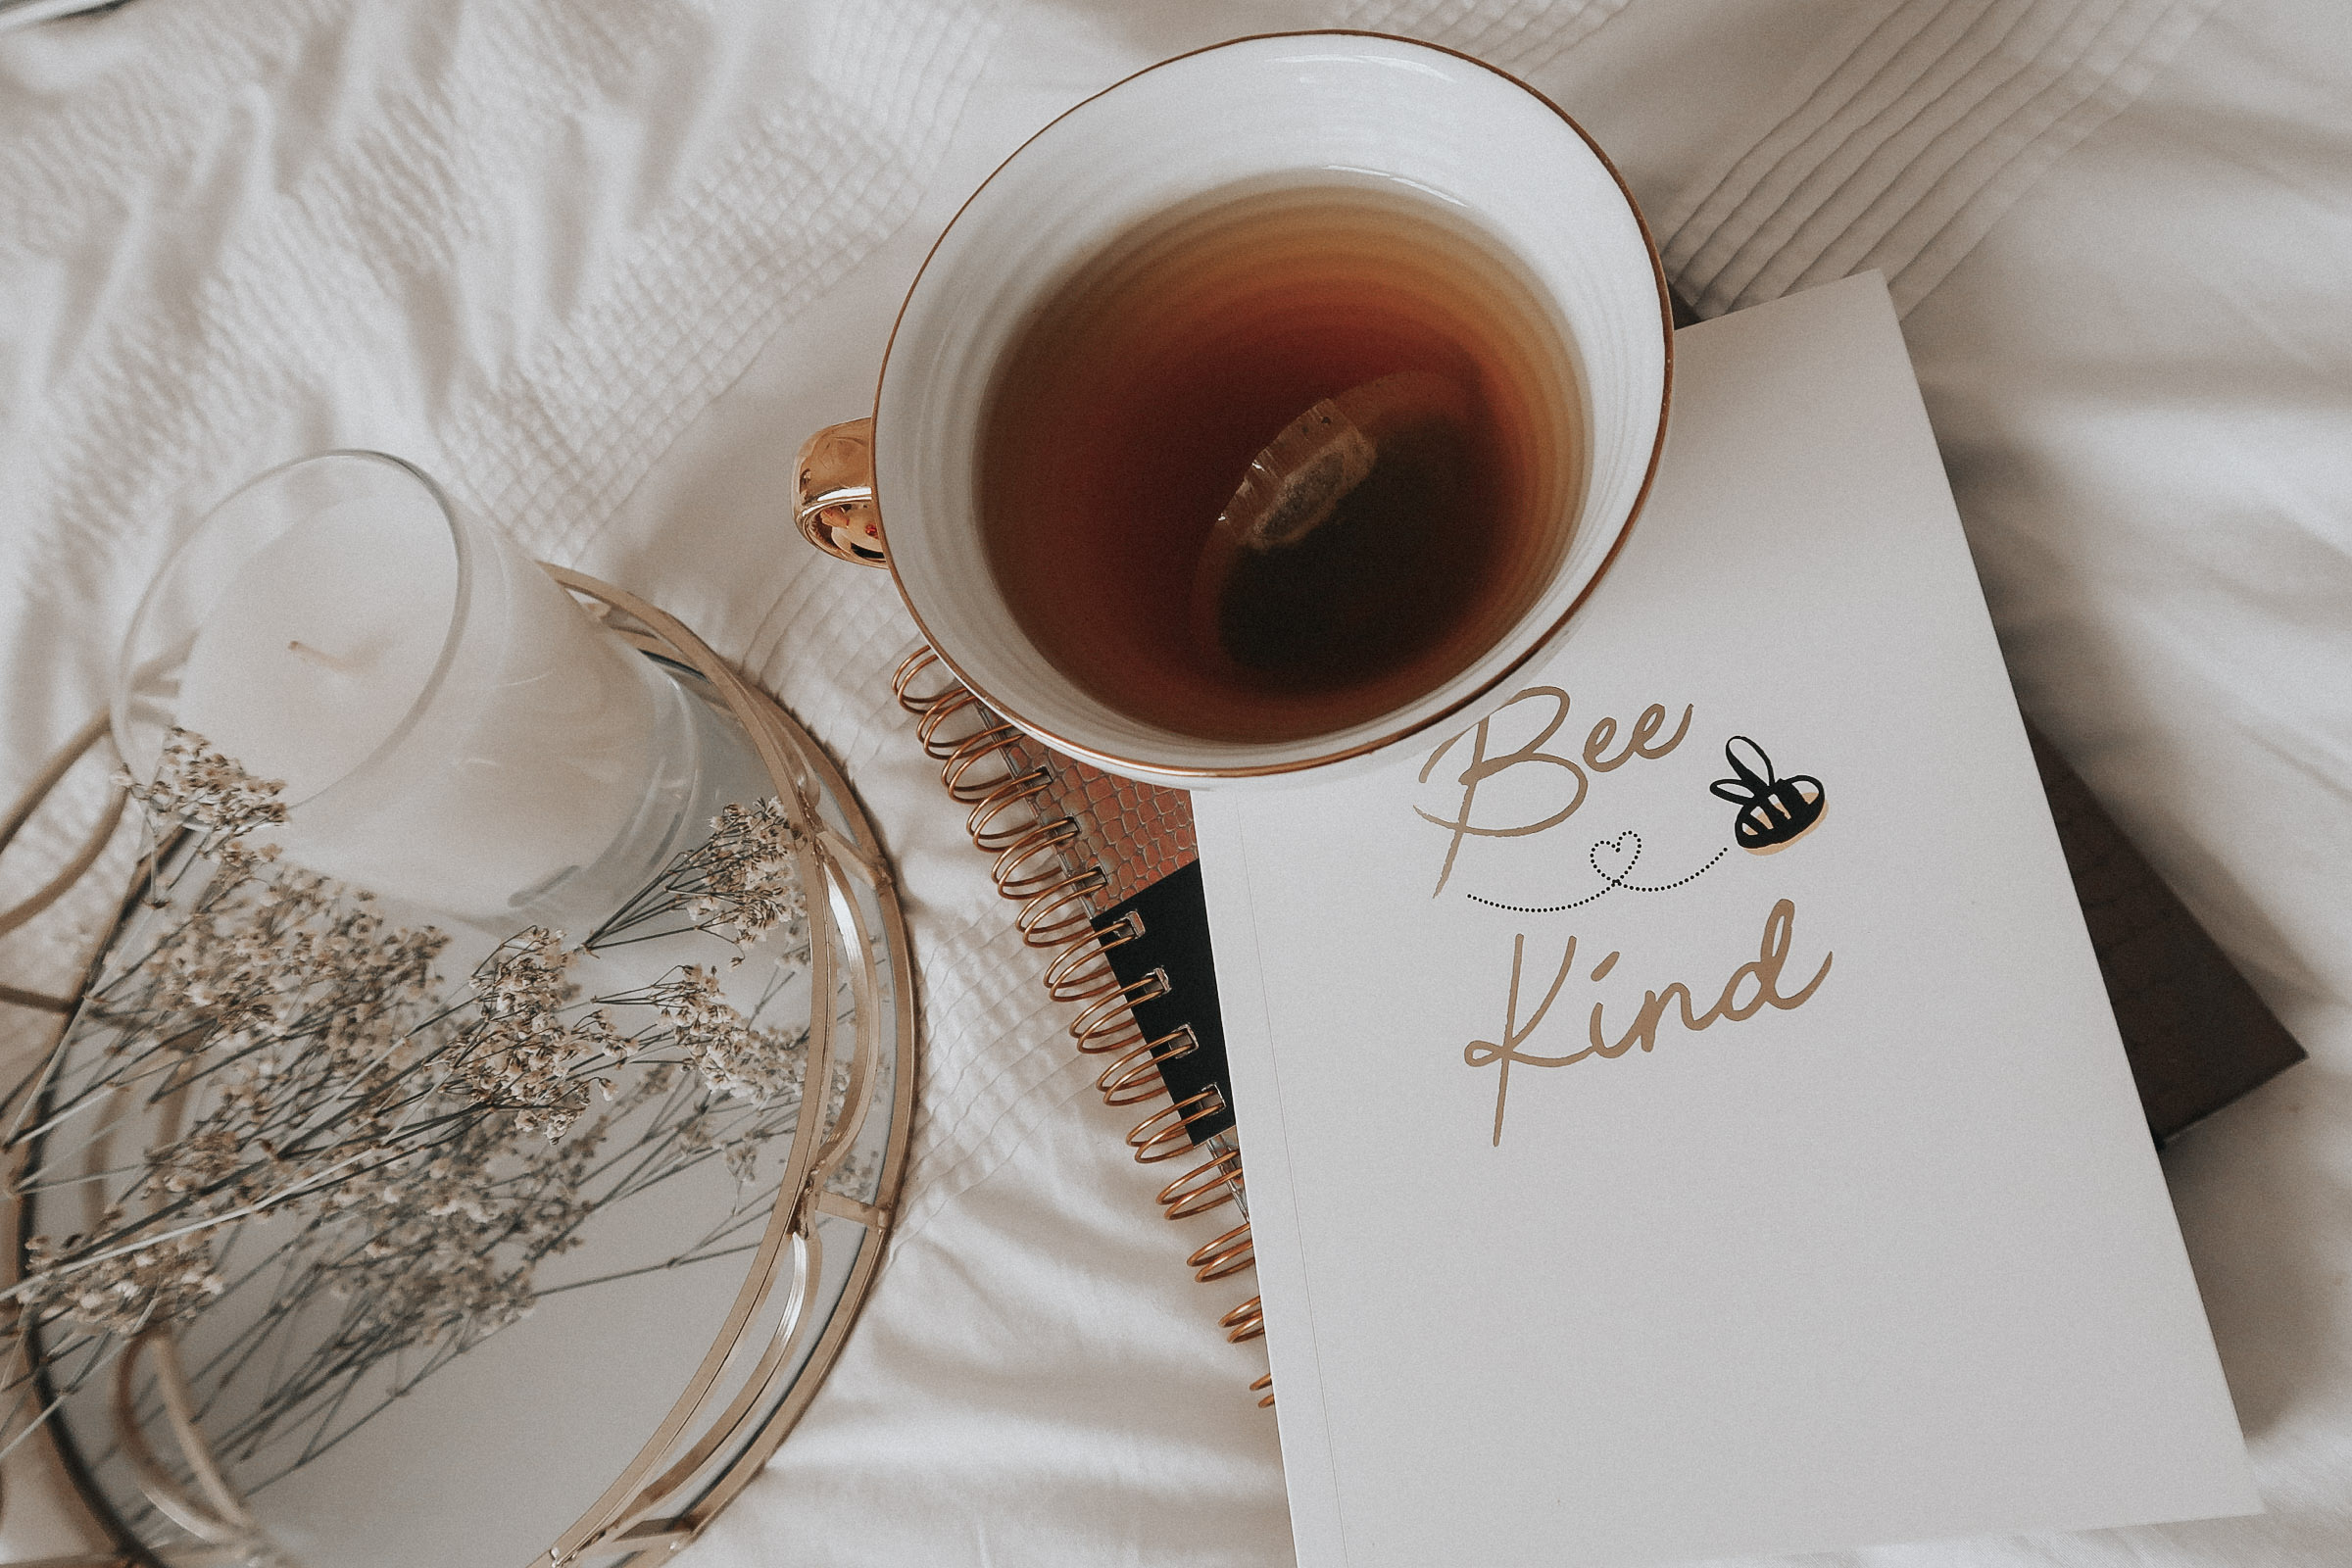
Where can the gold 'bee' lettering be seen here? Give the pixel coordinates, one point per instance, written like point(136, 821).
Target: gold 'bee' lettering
point(1640, 741)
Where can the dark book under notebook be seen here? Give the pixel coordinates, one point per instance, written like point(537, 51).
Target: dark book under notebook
point(2197, 1035)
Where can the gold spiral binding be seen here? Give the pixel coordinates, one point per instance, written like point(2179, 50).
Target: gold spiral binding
point(927, 727)
point(1212, 1184)
point(1135, 1077)
point(1035, 865)
point(999, 742)
point(1082, 971)
point(1098, 1027)
point(1022, 789)
point(1245, 1322)
point(1060, 913)
point(1035, 860)
point(1167, 1131)
point(1229, 1254)
point(909, 669)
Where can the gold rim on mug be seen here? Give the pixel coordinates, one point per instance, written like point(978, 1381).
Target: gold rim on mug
point(837, 509)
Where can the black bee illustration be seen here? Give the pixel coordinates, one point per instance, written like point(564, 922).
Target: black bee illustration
point(1774, 812)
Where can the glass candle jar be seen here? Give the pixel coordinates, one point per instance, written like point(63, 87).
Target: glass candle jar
point(451, 728)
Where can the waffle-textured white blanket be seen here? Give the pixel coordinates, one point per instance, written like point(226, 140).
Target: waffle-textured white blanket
point(599, 264)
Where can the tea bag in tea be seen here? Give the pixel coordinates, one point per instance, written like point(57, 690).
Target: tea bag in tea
point(1314, 568)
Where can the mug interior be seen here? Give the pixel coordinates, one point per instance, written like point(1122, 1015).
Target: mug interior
point(1313, 109)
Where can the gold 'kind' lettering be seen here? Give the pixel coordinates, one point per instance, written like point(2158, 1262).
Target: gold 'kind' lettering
point(1763, 972)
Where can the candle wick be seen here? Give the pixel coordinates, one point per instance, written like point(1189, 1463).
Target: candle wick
point(325, 660)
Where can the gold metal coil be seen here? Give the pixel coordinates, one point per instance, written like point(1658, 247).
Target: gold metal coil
point(1131, 1080)
point(1022, 789)
point(927, 727)
point(909, 670)
point(948, 705)
point(984, 742)
point(1112, 1011)
point(1229, 1254)
point(1245, 1322)
point(999, 744)
point(1212, 1184)
point(1082, 971)
point(1035, 860)
point(1044, 833)
point(1266, 1383)
point(1062, 912)
point(1167, 1131)
point(1135, 1077)
point(1118, 1032)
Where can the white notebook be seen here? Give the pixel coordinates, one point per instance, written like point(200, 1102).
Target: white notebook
point(1723, 1145)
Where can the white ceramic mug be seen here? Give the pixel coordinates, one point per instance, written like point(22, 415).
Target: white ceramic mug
point(1306, 107)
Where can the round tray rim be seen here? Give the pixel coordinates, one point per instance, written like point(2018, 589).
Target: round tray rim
point(684, 1476)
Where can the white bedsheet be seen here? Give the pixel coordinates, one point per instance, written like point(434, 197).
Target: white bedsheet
point(599, 264)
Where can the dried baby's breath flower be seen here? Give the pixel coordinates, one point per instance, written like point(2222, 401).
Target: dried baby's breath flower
point(752, 883)
point(523, 1054)
point(122, 1294)
point(268, 958)
point(202, 1159)
point(733, 1056)
point(738, 885)
point(454, 1234)
point(741, 1159)
point(198, 784)
point(392, 1149)
point(241, 861)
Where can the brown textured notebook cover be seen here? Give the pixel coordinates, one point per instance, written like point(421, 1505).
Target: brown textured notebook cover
point(2197, 1035)
point(1139, 834)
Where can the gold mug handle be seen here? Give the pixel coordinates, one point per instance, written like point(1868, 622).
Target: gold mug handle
point(833, 494)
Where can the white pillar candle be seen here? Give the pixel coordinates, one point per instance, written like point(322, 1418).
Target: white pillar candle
point(451, 728)
point(322, 644)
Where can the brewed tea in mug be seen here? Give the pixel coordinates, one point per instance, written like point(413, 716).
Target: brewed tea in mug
point(1137, 392)
point(1400, 282)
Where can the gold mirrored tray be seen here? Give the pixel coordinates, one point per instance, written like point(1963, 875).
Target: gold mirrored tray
point(550, 1350)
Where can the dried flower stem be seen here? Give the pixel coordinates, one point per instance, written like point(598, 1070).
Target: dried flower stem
point(299, 1080)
